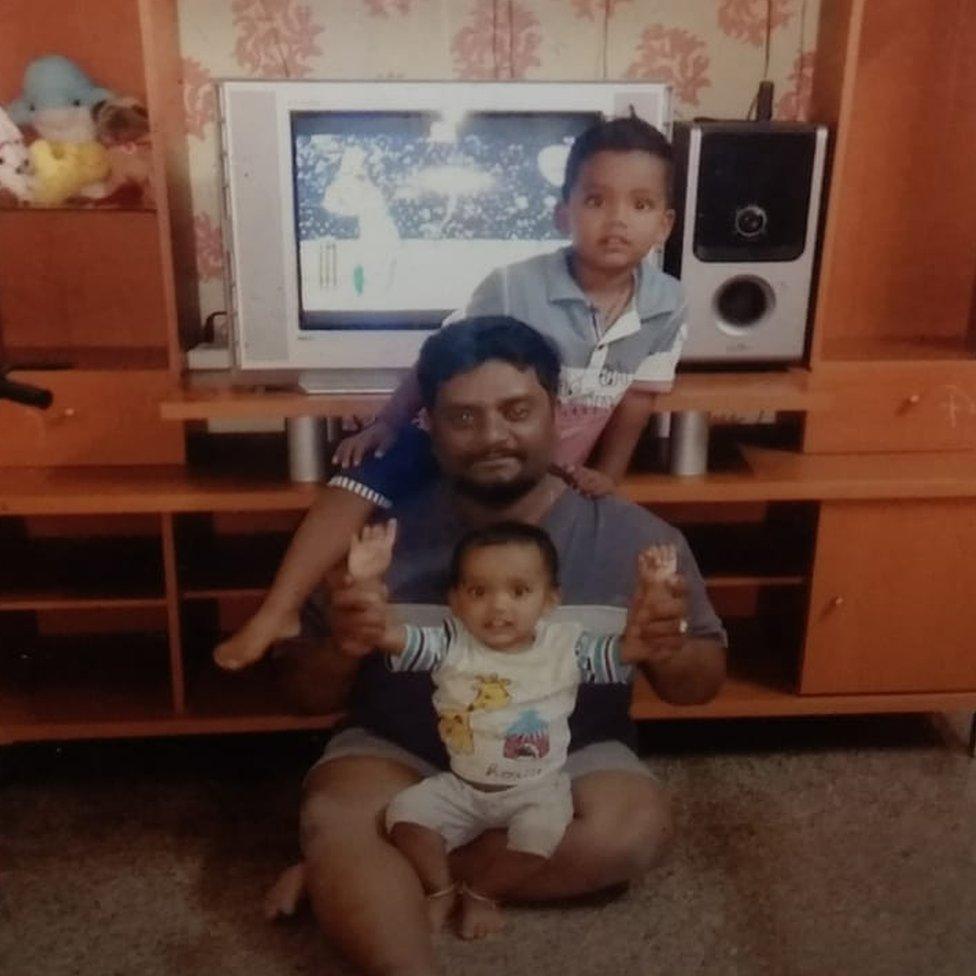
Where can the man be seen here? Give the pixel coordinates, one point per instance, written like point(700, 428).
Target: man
point(489, 386)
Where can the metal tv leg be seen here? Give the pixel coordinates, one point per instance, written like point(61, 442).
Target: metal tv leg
point(689, 442)
point(305, 460)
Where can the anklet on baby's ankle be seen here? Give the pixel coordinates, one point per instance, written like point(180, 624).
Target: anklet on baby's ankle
point(465, 890)
point(449, 890)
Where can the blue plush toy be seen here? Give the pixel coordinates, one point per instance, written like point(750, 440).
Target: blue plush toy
point(57, 100)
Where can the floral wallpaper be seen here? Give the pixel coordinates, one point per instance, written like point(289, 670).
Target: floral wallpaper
point(712, 52)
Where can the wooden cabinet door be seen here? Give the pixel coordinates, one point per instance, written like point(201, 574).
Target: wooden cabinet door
point(893, 600)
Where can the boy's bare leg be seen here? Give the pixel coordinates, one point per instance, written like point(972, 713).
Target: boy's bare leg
point(319, 543)
point(425, 850)
point(365, 894)
point(505, 872)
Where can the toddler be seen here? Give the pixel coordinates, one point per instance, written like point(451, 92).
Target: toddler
point(505, 679)
point(615, 318)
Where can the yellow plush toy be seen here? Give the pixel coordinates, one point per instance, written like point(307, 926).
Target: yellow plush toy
point(67, 169)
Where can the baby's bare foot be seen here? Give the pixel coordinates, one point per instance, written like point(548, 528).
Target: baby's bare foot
point(252, 641)
point(658, 564)
point(286, 893)
point(440, 905)
point(370, 552)
point(480, 916)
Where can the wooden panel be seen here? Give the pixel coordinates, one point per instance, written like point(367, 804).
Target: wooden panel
point(218, 396)
point(891, 605)
point(35, 27)
point(900, 243)
point(80, 278)
point(97, 418)
point(921, 406)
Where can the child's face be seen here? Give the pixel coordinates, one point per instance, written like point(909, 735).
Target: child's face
point(618, 210)
point(503, 592)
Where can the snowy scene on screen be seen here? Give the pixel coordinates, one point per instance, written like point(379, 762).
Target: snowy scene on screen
point(407, 212)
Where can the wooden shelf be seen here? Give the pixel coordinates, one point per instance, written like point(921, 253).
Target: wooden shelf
point(45, 600)
point(859, 349)
point(761, 682)
point(40, 359)
point(222, 396)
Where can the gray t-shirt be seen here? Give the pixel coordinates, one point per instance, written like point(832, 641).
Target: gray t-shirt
point(598, 541)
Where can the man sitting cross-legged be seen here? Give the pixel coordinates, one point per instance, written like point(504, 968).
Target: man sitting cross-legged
point(489, 387)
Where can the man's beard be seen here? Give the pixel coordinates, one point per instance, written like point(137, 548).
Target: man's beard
point(499, 495)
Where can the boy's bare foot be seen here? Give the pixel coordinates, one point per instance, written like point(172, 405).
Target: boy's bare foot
point(480, 916)
point(440, 905)
point(285, 895)
point(252, 641)
point(371, 551)
point(657, 564)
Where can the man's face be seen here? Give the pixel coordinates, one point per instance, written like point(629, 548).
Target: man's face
point(493, 431)
point(618, 209)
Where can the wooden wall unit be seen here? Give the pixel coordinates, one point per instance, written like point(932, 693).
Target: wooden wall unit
point(843, 568)
point(87, 301)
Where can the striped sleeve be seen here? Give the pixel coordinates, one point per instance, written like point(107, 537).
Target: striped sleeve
point(598, 656)
point(424, 650)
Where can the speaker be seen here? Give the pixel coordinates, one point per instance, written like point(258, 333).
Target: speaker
point(747, 196)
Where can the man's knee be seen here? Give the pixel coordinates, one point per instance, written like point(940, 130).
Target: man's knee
point(345, 798)
point(629, 828)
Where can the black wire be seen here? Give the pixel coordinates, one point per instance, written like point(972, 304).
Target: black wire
point(511, 39)
point(769, 31)
point(606, 38)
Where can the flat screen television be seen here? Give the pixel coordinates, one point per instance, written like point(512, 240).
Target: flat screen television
point(357, 215)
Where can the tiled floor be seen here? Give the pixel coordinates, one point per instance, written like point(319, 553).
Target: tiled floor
point(807, 848)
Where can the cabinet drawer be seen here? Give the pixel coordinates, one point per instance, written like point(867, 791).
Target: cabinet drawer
point(892, 605)
point(98, 417)
point(894, 407)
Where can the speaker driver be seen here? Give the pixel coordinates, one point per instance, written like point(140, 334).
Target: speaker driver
point(744, 301)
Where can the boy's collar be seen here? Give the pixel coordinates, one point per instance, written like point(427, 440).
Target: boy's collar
point(651, 294)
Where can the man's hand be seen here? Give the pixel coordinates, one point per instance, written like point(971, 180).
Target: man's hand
point(358, 614)
point(657, 621)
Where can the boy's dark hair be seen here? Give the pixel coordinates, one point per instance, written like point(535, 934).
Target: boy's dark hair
point(503, 534)
point(465, 345)
point(616, 135)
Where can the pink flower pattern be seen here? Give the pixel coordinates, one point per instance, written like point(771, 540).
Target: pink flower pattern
point(199, 100)
point(275, 38)
point(209, 247)
point(675, 56)
point(794, 105)
point(383, 8)
point(501, 41)
point(588, 9)
point(745, 20)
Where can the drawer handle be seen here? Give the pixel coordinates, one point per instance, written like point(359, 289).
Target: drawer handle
point(914, 400)
point(837, 602)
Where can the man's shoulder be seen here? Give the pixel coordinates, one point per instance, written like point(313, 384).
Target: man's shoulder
point(615, 517)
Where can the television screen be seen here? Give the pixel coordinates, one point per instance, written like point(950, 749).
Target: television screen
point(400, 214)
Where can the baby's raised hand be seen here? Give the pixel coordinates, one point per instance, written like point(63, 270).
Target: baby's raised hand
point(657, 564)
point(371, 551)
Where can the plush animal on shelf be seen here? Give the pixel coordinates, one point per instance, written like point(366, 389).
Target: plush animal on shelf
point(57, 102)
point(16, 173)
point(122, 126)
point(67, 169)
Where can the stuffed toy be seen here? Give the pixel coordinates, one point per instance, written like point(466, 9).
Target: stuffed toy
point(16, 173)
point(122, 126)
point(67, 169)
point(57, 102)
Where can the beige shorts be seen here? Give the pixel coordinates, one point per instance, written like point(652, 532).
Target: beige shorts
point(536, 814)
